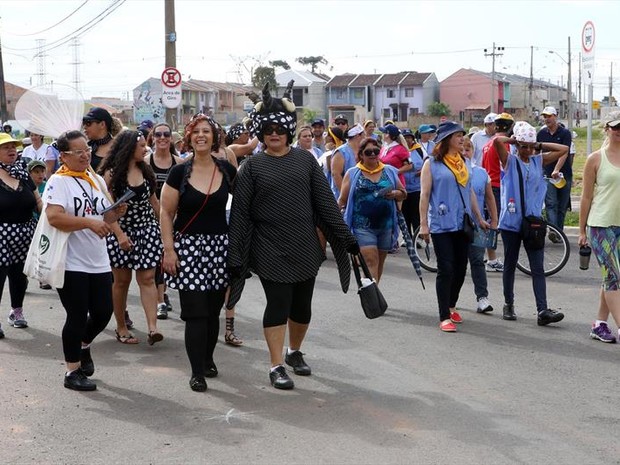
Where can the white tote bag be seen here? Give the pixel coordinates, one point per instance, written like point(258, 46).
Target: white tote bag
point(47, 254)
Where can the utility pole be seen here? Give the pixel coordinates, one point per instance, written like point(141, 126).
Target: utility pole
point(579, 90)
point(531, 86)
point(4, 115)
point(611, 82)
point(493, 54)
point(171, 54)
point(569, 97)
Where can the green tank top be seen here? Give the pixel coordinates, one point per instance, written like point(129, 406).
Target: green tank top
point(605, 209)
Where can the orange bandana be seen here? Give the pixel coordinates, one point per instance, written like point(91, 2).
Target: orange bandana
point(366, 170)
point(456, 164)
point(64, 171)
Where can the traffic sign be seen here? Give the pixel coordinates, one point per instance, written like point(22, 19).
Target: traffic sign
point(588, 35)
point(171, 77)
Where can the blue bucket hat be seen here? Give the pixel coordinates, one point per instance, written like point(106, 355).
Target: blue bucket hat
point(448, 128)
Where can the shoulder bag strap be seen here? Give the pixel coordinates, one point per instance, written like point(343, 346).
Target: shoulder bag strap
point(521, 188)
point(215, 168)
point(458, 188)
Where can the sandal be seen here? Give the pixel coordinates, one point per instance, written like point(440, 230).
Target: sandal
point(229, 336)
point(127, 339)
point(154, 337)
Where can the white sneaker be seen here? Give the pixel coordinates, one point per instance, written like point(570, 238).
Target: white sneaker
point(484, 306)
point(495, 265)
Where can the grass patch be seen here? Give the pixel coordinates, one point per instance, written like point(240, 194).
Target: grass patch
point(571, 219)
point(581, 142)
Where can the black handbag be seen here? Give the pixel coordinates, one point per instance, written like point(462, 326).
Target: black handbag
point(533, 228)
point(373, 302)
point(469, 227)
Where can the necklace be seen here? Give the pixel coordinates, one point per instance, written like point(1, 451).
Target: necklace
point(88, 209)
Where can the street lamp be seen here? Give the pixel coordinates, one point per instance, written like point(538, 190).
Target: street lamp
point(569, 94)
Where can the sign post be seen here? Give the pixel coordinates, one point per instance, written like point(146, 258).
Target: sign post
point(588, 35)
point(171, 94)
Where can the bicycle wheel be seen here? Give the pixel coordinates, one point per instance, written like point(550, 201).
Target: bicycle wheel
point(425, 252)
point(557, 253)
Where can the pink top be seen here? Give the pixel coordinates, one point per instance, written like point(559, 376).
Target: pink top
point(397, 156)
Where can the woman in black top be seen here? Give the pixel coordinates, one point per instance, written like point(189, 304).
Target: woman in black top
point(195, 236)
point(163, 158)
point(280, 197)
point(18, 199)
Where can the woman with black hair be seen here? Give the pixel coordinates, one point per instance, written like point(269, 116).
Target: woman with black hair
point(98, 127)
point(136, 242)
point(195, 236)
point(75, 199)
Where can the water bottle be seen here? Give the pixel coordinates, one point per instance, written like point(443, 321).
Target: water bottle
point(443, 209)
point(512, 207)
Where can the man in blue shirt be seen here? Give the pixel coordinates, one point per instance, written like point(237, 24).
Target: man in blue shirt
point(557, 200)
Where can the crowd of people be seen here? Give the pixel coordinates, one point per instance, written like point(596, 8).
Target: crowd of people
point(202, 211)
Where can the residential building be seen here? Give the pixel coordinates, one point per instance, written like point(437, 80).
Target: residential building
point(308, 91)
point(12, 93)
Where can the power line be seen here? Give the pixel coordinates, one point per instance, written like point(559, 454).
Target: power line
point(53, 25)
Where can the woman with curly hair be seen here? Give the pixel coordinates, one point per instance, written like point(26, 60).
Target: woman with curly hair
point(136, 243)
point(195, 236)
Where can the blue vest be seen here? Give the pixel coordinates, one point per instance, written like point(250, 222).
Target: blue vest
point(535, 188)
point(445, 212)
point(349, 162)
point(412, 182)
point(354, 174)
point(479, 180)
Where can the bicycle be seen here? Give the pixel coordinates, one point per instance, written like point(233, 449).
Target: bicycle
point(557, 252)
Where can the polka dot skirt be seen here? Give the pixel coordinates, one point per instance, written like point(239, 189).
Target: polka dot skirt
point(202, 259)
point(14, 241)
point(142, 228)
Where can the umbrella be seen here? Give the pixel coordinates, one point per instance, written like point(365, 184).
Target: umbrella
point(415, 261)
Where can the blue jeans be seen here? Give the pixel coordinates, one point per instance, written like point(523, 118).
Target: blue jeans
point(556, 204)
point(512, 244)
point(478, 271)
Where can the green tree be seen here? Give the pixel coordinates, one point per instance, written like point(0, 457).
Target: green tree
point(280, 64)
point(312, 61)
point(438, 109)
point(264, 75)
point(310, 115)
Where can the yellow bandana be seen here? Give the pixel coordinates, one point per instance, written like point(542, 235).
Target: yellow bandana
point(64, 171)
point(366, 170)
point(456, 164)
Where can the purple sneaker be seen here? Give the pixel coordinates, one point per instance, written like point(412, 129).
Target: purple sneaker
point(602, 333)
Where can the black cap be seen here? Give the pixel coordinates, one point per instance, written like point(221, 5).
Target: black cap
point(341, 117)
point(319, 122)
point(99, 114)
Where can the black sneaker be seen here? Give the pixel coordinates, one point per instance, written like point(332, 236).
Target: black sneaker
point(210, 369)
point(198, 383)
point(78, 381)
point(88, 366)
point(1, 332)
point(549, 316)
point(509, 312)
point(167, 302)
point(296, 360)
point(279, 378)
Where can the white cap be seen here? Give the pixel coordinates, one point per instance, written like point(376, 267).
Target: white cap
point(355, 130)
point(549, 111)
point(490, 118)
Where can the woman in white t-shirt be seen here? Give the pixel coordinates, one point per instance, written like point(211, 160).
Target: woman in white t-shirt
point(74, 201)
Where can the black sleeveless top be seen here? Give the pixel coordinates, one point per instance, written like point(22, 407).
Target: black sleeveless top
point(161, 174)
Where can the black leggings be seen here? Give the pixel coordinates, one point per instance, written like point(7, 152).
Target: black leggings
point(18, 282)
point(287, 300)
point(411, 211)
point(201, 312)
point(452, 251)
point(87, 298)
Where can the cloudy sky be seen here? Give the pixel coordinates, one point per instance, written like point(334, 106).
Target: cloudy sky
point(122, 41)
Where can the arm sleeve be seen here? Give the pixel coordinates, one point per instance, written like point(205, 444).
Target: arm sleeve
point(55, 192)
point(241, 228)
point(175, 177)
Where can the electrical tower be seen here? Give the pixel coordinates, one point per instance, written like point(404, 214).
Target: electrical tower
point(75, 44)
point(41, 73)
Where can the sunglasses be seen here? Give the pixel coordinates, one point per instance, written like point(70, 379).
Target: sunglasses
point(159, 135)
point(279, 130)
point(614, 128)
point(88, 123)
point(341, 123)
point(371, 152)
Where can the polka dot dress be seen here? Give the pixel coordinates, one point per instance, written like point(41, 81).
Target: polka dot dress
point(202, 259)
point(141, 226)
point(14, 241)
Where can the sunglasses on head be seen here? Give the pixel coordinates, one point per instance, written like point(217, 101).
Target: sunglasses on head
point(159, 134)
point(279, 130)
point(371, 152)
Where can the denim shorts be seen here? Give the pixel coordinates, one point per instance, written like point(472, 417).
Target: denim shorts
point(379, 238)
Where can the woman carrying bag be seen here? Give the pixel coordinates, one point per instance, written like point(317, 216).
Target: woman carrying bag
point(75, 199)
point(447, 203)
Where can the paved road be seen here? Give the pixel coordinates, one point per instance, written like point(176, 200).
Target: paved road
point(392, 390)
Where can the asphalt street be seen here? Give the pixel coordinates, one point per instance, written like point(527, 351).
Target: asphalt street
point(389, 391)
